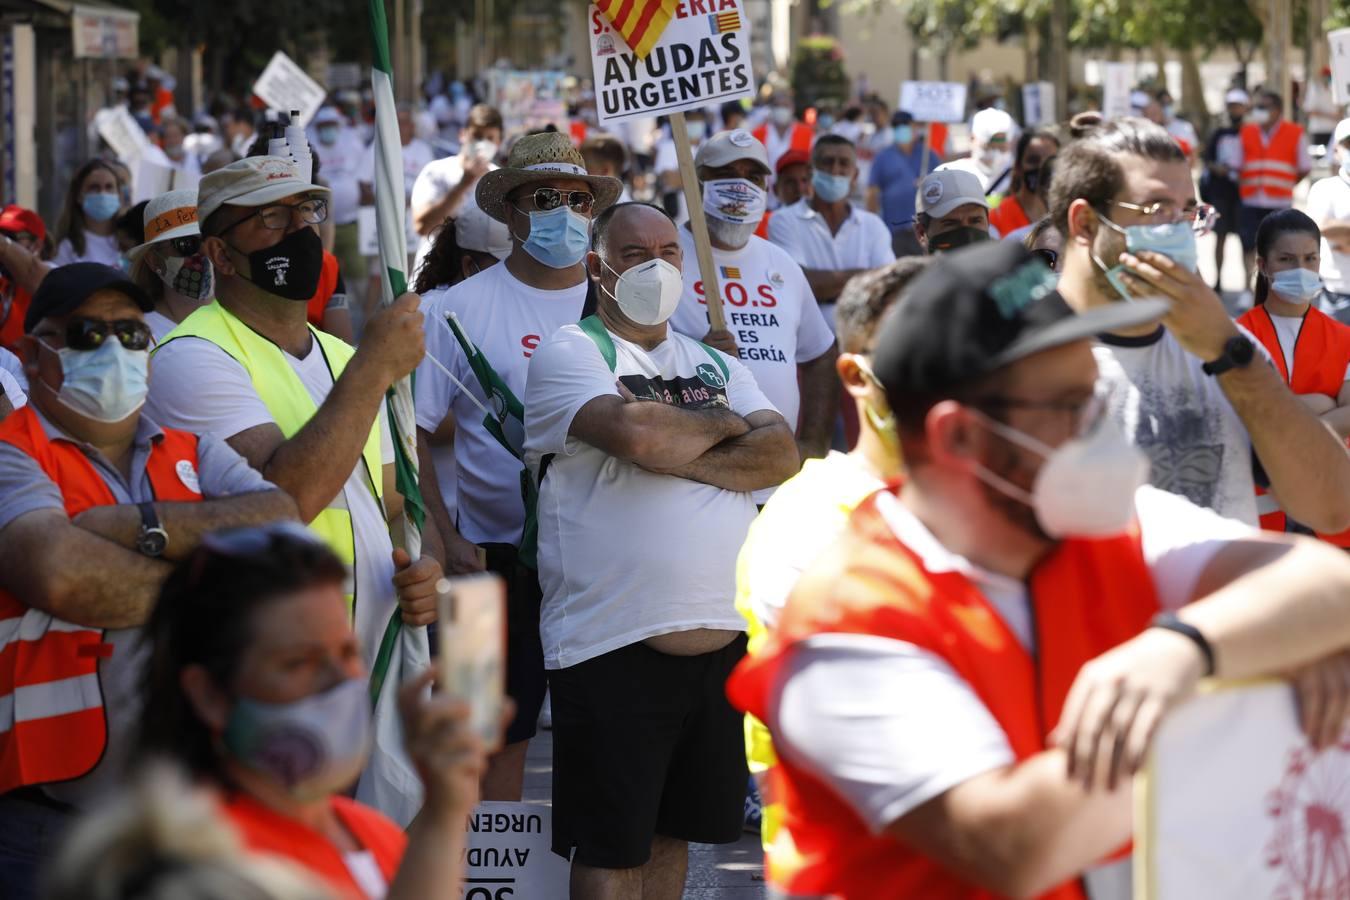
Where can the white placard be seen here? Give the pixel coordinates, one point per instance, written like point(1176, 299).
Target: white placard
point(1038, 104)
point(122, 132)
point(1117, 82)
point(1340, 65)
point(285, 86)
point(510, 856)
point(701, 59)
point(1236, 804)
point(934, 101)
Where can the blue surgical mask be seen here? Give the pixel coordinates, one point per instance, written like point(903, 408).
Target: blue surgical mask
point(107, 384)
point(1298, 285)
point(100, 206)
point(696, 129)
point(903, 134)
point(831, 188)
point(559, 238)
point(1175, 240)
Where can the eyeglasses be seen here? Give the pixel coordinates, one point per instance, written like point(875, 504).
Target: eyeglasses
point(278, 216)
point(90, 334)
point(547, 198)
point(186, 246)
point(1048, 256)
point(1084, 415)
point(1201, 217)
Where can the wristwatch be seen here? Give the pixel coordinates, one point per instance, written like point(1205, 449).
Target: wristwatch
point(152, 539)
point(1238, 353)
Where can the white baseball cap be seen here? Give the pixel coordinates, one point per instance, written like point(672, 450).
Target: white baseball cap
point(1341, 133)
point(944, 190)
point(991, 121)
point(476, 230)
point(254, 181)
point(725, 147)
point(1237, 95)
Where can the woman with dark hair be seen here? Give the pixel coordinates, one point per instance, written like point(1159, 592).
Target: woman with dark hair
point(1026, 201)
point(88, 218)
point(255, 685)
point(461, 248)
point(1310, 350)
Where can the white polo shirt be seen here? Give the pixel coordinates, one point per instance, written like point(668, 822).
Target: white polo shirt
point(862, 242)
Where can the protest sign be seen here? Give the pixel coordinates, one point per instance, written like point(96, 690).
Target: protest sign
point(122, 132)
point(284, 86)
point(1340, 65)
point(701, 59)
point(1038, 104)
point(1117, 81)
point(934, 101)
point(1236, 804)
point(510, 854)
point(528, 100)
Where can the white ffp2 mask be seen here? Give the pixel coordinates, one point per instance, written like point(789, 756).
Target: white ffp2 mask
point(648, 293)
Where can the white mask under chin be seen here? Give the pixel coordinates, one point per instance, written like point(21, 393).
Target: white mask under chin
point(729, 234)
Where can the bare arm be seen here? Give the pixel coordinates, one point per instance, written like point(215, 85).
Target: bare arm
point(873, 199)
point(828, 284)
point(337, 321)
point(185, 523)
point(1338, 417)
point(459, 556)
point(5, 407)
point(653, 435)
point(820, 402)
point(24, 267)
point(763, 457)
point(111, 587)
point(428, 218)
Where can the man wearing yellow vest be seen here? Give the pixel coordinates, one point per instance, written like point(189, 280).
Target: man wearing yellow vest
point(301, 406)
point(1274, 159)
point(96, 501)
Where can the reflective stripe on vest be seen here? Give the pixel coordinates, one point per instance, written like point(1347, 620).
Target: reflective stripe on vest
point(1321, 358)
point(1269, 168)
point(52, 725)
point(1085, 598)
point(290, 403)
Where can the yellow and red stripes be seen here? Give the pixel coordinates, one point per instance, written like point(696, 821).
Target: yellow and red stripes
point(639, 21)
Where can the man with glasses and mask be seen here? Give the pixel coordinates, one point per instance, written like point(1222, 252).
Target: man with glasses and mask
point(546, 199)
point(1192, 392)
point(300, 405)
point(632, 429)
point(96, 502)
point(951, 211)
point(1010, 622)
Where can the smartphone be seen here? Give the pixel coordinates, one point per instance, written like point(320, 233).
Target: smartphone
point(472, 630)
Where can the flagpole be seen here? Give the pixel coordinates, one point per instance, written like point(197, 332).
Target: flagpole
point(698, 223)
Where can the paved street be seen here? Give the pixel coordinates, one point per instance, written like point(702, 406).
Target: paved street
point(725, 872)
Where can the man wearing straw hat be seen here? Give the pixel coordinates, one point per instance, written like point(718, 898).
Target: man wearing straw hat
point(546, 199)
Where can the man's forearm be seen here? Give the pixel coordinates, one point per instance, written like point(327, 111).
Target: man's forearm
point(764, 457)
point(819, 403)
point(1338, 420)
point(430, 484)
point(663, 436)
point(828, 284)
point(1308, 465)
point(185, 523)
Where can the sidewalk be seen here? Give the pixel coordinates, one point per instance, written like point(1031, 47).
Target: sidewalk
point(716, 872)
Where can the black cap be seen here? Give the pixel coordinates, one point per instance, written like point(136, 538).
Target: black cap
point(66, 287)
point(900, 117)
point(978, 309)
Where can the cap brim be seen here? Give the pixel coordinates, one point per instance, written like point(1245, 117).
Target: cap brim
point(189, 230)
point(495, 186)
point(1098, 320)
point(273, 192)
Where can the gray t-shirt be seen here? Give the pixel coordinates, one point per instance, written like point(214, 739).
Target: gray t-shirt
point(24, 488)
point(1180, 417)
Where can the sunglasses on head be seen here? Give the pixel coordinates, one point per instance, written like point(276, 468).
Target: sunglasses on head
point(547, 198)
point(90, 334)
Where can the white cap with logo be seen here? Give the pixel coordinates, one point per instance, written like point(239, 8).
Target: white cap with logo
point(255, 181)
point(942, 191)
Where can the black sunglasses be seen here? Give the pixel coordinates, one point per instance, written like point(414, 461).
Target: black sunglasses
point(1050, 257)
point(189, 245)
point(546, 199)
point(90, 334)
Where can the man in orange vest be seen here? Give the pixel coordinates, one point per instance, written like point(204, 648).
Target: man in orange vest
point(1010, 620)
point(96, 501)
point(783, 131)
point(1274, 159)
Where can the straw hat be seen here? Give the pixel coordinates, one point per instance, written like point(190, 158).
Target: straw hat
point(539, 158)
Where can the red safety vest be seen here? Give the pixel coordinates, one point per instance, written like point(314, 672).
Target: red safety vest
point(1271, 168)
point(1008, 216)
point(763, 230)
point(265, 830)
point(802, 137)
point(1087, 597)
point(328, 279)
point(55, 730)
point(1321, 356)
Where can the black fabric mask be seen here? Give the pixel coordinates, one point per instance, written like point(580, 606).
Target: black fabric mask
point(290, 269)
point(1032, 180)
point(957, 237)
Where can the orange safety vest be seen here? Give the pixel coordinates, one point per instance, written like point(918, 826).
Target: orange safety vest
point(802, 137)
point(1087, 596)
point(1008, 216)
point(1321, 356)
point(265, 830)
point(55, 729)
point(1271, 168)
point(328, 279)
point(763, 230)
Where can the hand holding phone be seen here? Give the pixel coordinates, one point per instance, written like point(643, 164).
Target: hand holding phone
point(473, 648)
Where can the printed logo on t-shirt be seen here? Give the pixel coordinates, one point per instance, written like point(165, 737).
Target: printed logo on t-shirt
point(530, 343)
point(688, 393)
point(753, 341)
point(710, 375)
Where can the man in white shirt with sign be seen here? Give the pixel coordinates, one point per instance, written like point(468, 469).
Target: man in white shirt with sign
point(830, 237)
point(992, 134)
point(630, 428)
point(1329, 207)
point(775, 325)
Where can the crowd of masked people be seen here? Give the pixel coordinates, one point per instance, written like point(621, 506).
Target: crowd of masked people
point(900, 555)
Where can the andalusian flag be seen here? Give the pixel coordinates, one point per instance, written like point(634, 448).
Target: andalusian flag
point(505, 416)
point(639, 21)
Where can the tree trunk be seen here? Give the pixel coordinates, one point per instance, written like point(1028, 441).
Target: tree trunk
point(1032, 53)
point(1193, 91)
point(1059, 55)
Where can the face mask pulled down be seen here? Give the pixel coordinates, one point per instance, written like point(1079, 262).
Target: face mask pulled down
point(648, 293)
point(1085, 487)
point(107, 384)
point(735, 207)
point(291, 268)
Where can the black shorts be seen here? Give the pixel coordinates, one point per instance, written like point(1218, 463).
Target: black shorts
point(645, 743)
point(526, 681)
point(1249, 221)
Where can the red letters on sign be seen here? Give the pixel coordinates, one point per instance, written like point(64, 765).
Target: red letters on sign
point(703, 7)
point(531, 343)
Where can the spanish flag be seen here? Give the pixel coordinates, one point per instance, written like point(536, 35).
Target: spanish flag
point(639, 21)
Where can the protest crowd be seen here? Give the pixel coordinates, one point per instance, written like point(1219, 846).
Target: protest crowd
point(872, 487)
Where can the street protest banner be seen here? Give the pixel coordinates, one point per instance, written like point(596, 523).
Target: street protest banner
point(510, 854)
point(1236, 804)
point(1340, 65)
point(1117, 82)
point(934, 101)
point(284, 86)
point(122, 132)
point(1038, 104)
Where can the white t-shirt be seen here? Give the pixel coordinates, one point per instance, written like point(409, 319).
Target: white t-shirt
point(432, 185)
point(196, 386)
point(342, 165)
point(417, 155)
point(13, 383)
point(1317, 95)
point(1328, 200)
point(365, 871)
point(507, 320)
point(994, 182)
point(97, 248)
point(160, 324)
point(769, 309)
point(862, 242)
point(1180, 417)
point(609, 577)
point(866, 748)
point(1184, 131)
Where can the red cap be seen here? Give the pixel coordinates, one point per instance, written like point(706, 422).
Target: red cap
point(792, 158)
point(16, 219)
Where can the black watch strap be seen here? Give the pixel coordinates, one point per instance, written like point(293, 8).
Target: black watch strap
point(149, 518)
point(1170, 622)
